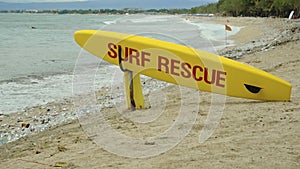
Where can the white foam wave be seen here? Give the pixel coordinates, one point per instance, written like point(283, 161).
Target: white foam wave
point(151, 19)
point(215, 32)
point(110, 22)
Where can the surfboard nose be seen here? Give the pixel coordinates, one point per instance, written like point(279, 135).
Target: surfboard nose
point(82, 36)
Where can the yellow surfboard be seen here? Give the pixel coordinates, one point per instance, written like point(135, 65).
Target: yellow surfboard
point(183, 65)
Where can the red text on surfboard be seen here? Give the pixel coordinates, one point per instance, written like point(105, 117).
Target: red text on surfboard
point(131, 55)
point(174, 67)
point(186, 70)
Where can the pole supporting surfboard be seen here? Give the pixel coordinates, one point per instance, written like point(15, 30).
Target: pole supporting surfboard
point(120, 59)
point(133, 87)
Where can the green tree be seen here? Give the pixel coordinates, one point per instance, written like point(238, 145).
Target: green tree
point(282, 7)
point(296, 7)
point(235, 7)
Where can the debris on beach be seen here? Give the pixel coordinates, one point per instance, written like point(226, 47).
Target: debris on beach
point(25, 125)
point(278, 37)
point(60, 164)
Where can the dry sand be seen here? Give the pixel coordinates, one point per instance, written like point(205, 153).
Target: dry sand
point(251, 134)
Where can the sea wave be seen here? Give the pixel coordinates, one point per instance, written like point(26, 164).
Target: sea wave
point(110, 22)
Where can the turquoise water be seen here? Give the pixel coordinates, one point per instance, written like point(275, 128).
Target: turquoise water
point(38, 53)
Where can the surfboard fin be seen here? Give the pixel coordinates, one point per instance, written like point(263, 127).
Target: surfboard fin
point(253, 89)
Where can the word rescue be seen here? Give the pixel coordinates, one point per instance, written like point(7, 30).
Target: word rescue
point(171, 66)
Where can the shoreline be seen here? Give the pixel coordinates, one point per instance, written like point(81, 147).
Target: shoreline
point(249, 131)
point(38, 118)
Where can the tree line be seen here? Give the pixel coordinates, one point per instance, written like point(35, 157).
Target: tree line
point(106, 11)
point(261, 8)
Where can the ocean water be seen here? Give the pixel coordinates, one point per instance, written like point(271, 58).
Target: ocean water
point(39, 58)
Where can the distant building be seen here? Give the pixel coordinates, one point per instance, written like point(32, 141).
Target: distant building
point(32, 11)
point(133, 9)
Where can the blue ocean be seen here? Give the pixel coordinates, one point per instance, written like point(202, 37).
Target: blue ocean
point(39, 55)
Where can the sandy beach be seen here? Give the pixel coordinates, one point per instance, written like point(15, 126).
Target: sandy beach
point(250, 134)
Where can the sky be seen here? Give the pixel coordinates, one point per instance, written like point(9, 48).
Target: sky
point(28, 1)
point(99, 4)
